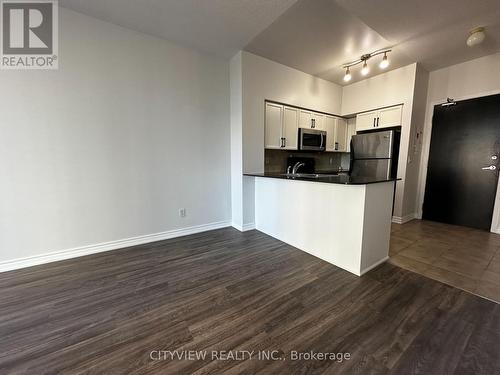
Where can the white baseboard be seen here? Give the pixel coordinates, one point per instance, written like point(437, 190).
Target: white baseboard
point(14, 264)
point(245, 227)
point(403, 219)
point(373, 266)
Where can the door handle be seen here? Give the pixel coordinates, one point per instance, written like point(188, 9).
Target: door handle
point(284, 142)
point(378, 119)
point(490, 168)
point(374, 119)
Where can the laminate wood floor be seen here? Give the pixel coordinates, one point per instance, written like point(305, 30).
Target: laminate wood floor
point(465, 258)
point(225, 290)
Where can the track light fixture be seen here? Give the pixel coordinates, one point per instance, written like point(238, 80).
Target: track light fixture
point(364, 59)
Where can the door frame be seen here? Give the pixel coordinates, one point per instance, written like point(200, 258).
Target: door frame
point(424, 157)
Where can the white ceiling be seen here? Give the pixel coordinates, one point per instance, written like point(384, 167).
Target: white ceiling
point(432, 32)
point(315, 36)
point(218, 27)
point(318, 36)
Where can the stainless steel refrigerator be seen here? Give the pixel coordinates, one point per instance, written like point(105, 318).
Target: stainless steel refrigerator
point(375, 154)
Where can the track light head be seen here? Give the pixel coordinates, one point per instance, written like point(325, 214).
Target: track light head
point(348, 75)
point(365, 70)
point(385, 62)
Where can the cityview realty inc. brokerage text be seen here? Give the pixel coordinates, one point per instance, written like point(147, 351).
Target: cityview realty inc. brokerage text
point(244, 355)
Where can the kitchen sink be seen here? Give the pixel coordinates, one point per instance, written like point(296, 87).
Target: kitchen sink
point(307, 175)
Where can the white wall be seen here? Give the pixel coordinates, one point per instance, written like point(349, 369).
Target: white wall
point(410, 197)
point(111, 145)
point(236, 142)
point(471, 79)
point(391, 88)
point(264, 79)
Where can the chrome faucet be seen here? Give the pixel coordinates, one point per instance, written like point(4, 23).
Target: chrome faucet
point(297, 166)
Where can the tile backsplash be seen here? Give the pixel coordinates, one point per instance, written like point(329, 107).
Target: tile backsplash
point(276, 160)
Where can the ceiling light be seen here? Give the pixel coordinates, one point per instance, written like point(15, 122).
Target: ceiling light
point(365, 70)
point(385, 62)
point(476, 36)
point(347, 76)
point(364, 60)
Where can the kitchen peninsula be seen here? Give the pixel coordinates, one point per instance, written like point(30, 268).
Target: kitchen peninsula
point(341, 219)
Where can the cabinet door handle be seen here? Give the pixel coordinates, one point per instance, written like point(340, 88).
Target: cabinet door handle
point(284, 142)
point(313, 123)
point(336, 146)
point(378, 119)
point(374, 119)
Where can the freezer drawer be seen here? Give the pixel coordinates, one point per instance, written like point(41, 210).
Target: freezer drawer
point(378, 168)
point(373, 145)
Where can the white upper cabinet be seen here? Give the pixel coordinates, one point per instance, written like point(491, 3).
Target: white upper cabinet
point(366, 121)
point(351, 130)
point(382, 118)
point(290, 128)
point(305, 119)
point(281, 127)
point(318, 121)
point(389, 117)
point(311, 120)
point(330, 123)
point(340, 135)
point(336, 134)
point(273, 126)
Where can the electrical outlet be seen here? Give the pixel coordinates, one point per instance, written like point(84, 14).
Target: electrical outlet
point(182, 212)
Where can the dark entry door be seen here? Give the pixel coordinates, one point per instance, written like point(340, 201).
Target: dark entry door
point(465, 140)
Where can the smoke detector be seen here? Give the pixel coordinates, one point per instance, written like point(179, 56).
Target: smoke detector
point(476, 36)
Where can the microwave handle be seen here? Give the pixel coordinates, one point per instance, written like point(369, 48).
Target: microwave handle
point(321, 146)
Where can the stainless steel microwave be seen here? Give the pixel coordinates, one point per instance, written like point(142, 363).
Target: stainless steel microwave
point(312, 139)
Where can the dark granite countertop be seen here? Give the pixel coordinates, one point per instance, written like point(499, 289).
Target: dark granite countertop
point(343, 179)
